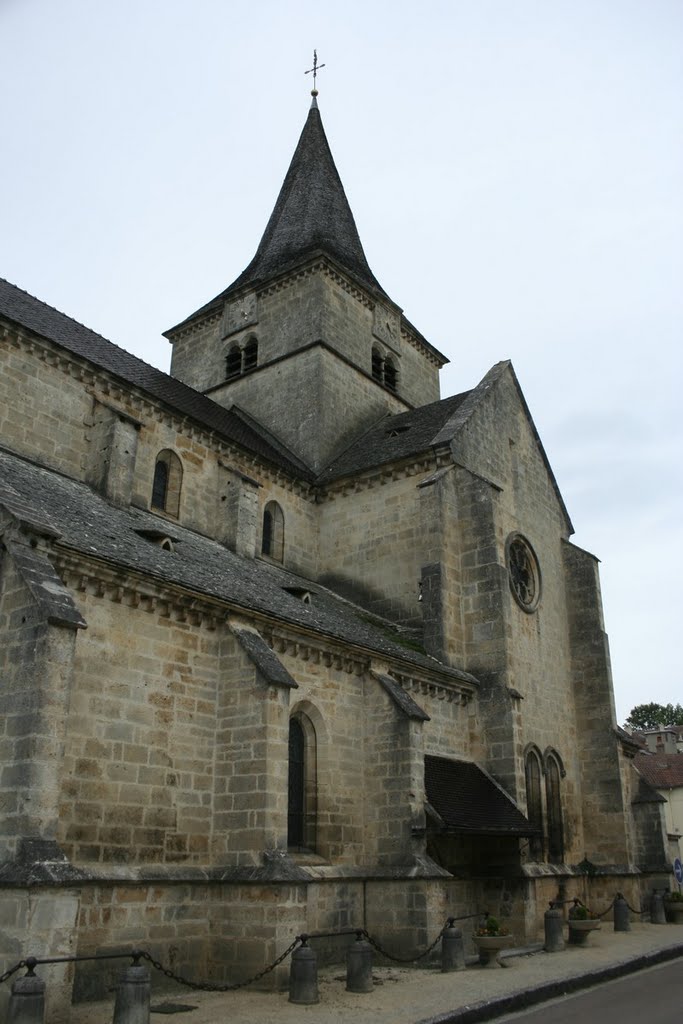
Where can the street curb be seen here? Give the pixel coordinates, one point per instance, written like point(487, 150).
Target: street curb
point(491, 1008)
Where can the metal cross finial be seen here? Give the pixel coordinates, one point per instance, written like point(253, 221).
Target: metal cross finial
point(314, 69)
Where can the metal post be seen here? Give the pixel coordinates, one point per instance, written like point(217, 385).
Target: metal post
point(452, 949)
point(132, 996)
point(657, 915)
point(27, 1001)
point(553, 922)
point(359, 965)
point(622, 920)
point(303, 975)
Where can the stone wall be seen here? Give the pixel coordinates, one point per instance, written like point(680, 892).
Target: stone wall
point(138, 767)
point(371, 544)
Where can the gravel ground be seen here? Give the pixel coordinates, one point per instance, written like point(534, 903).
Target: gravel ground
point(409, 995)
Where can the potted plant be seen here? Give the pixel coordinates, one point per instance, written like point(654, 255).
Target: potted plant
point(582, 921)
point(673, 907)
point(490, 938)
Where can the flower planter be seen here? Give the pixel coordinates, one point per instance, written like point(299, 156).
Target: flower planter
point(489, 947)
point(580, 930)
point(674, 911)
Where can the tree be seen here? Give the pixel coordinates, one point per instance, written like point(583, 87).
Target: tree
point(649, 716)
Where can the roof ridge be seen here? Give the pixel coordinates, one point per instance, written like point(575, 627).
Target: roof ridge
point(90, 330)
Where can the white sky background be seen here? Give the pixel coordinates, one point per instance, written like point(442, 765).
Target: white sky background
point(515, 168)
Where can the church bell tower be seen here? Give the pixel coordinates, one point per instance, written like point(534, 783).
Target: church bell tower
point(306, 341)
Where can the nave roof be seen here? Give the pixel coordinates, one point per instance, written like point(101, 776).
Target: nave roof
point(88, 524)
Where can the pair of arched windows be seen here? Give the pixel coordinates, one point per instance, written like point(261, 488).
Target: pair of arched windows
point(273, 532)
point(384, 369)
point(240, 359)
point(302, 795)
point(167, 482)
point(544, 803)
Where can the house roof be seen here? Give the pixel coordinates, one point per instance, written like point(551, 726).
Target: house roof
point(311, 216)
point(663, 771)
point(470, 802)
point(30, 313)
point(123, 537)
point(393, 438)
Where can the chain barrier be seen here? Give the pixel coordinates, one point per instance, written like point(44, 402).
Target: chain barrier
point(198, 986)
point(420, 956)
point(646, 910)
point(579, 903)
point(12, 970)
point(404, 959)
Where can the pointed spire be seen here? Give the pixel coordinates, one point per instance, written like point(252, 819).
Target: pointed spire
point(312, 214)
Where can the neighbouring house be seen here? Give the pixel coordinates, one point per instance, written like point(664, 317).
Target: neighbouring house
point(289, 642)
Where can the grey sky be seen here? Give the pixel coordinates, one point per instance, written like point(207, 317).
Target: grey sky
point(515, 169)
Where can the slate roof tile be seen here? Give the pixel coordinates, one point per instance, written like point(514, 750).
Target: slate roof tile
point(89, 524)
point(36, 316)
point(311, 215)
point(393, 438)
point(469, 801)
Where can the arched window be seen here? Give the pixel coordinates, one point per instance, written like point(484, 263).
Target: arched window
point(241, 360)
point(377, 364)
point(553, 799)
point(160, 485)
point(534, 801)
point(168, 477)
point(273, 535)
point(384, 369)
point(390, 374)
point(250, 355)
point(301, 783)
point(233, 362)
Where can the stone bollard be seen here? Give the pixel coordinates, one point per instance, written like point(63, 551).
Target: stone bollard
point(657, 915)
point(553, 922)
point(452, 949)
point(303, 975)
point(622, 920)
point(359, 965)
point(27, 1001)
point(132, 996)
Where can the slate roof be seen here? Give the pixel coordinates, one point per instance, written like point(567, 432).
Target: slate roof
point(36, 316)
point(663, 771)
point(311, 215)
point(469, 802)
point(89, 524)
point(394, 438)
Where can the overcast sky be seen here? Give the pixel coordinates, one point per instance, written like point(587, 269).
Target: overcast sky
point(515, 168)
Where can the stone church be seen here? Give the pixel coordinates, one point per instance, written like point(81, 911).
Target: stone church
point(290, 643)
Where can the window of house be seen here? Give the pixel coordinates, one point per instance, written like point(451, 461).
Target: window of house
point(384, 369)
point(273, 533)
point(390, 374)
point(377, 365)
point(250, 355)
point(233, 362)
point(168, 476)
point(301, 784)
point(241, 360)
point(534, 801)
point(553, 778)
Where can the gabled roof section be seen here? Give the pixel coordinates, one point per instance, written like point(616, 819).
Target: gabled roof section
point(88, 524)
point(30, 313)
point(475, 397)
point(430, 427)
point(312, 215)
point(663, 771)
point(470, 802)
point(394, 438)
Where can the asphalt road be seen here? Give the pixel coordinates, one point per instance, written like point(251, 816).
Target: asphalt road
point(653, 996)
